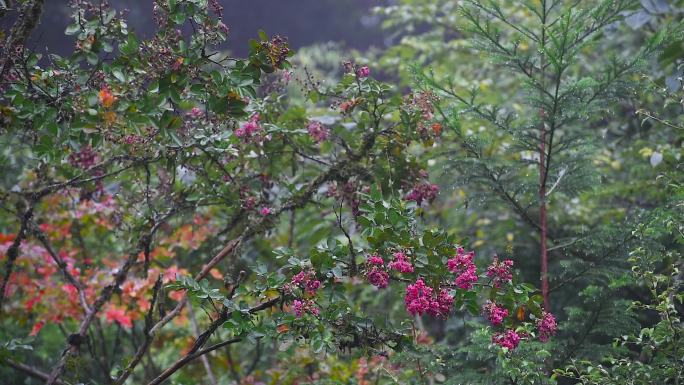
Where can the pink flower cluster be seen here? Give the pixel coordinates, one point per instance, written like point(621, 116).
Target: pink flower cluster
point(508, 339)
point(378, 278)
point(423, 192)
point(546, 326)
point(441, 305)
point(306, 280)
point(462, 264)
point(195, 113)
point(500, 272)
point(301, 307)
point(495, 314)
point(133, 139)
point(250, 128)
point(419, 299)
point(400, 263)
point(363, 72)
point(84, 158)
point(265, 211)
point(375, 260)
point(248, 202)
point(375, 272)
point(317, 131)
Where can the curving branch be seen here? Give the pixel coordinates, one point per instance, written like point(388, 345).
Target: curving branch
point(340, 171)
point(42, 237)
point(75, 340)
point(30, 370)
point(13, 250)
point(196, 351)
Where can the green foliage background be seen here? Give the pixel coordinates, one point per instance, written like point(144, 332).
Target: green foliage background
point(616, 206)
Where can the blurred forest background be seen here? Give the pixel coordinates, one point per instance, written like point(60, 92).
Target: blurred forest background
point(303, 22)
point(602, 201)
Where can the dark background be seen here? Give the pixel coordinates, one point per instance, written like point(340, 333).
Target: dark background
point(303, 22)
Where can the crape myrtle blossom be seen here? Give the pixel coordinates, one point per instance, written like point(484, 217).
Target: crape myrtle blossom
point(84, 158)
point(250, 128)
point(401, 263)
point(423, 192)
point(419, 299)
point(375, 273)
point(500, 272)
point(317, 131)
point(133, 139)
point(462, 264)
point(303, 306)
point(306, 280)
point(441, 304)
point(378, 278)
point(493, 313)
point(546, 326)
point(508, 339)
point(196, 113)
point(375, 260)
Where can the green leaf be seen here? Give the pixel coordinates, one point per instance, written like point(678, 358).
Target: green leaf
point(131, 45)
point(72, 29)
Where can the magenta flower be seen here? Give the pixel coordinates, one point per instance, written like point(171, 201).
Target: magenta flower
point(508, 339)
point(495, 314)
point(546, 326)
point(312, 286)
point(423, 192)
point(250, 128)
point(84, 158)
point(400, 263)
point(196, 113)
point(363, 72)
point(461, 261)
point(378, 277)
point(462, 264)
point(317, 131)
point(306, 280)
point(300, 278)
point(265, 211)
point(249, 202)
point(418, 298)
point(301, 307)
point(500, 272)
point(298, 307)
point(466, 280)
point(133, 139)
point(441, 305)
point(375, 260)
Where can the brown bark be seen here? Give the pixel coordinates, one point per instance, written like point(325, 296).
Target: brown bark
point(543, 171)
point(13, 251)
point(29, 370)
point(542, 218)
